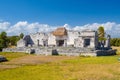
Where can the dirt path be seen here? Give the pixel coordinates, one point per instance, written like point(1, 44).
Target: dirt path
point(32, 60)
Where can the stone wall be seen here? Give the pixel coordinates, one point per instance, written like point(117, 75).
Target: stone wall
point(19, 49)
point(72, 35)
point(21, 43)
point(38, 38)
point(51, 39)
point(105, 52)
point(69, 51)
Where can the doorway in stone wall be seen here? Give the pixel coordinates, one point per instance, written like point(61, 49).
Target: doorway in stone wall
point(60, 42)
point(45, 43)
point(86, 42)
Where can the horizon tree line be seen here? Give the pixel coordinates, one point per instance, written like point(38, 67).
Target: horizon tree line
point(8, 41)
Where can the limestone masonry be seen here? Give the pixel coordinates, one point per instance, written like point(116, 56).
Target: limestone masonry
point(64, 42)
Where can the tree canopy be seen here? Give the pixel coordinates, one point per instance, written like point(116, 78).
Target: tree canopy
point(7, 41)
point(115, 42)
point(13, 40)
point(21, 35)
point(101, 33)
point(3, 40)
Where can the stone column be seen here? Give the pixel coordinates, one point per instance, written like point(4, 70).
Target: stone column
point(108, 42)
point(56, 43)
point(37, 42)
point(65, 43)
point(92, 42)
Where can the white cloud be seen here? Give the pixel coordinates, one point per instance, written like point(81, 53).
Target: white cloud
point(111, 28)
point(17, 28)
point(107, 26)
point(4, 26)
point(27, 28)
point(67, 26)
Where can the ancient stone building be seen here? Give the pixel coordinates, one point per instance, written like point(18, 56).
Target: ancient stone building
point(87, 38)
point(61, 37)
point(64, 42)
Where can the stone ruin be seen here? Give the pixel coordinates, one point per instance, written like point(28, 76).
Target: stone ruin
point(64, 42)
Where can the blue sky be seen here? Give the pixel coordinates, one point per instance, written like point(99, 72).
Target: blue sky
point(59, 12)
point(18, 16)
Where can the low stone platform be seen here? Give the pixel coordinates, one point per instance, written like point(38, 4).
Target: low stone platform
point(69, 51)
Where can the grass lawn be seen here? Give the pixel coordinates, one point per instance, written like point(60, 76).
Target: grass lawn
point(12, 55)
point(32, 67)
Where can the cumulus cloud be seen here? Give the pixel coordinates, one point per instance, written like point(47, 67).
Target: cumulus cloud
point(4, 26)
point(111, 28)
point(17, 28)
point(27, 28)
point(107, 26)
point(67, 26)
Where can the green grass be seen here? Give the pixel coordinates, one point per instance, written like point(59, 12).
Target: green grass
point(94, 60)
point(78, 68)
point(12, 55)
